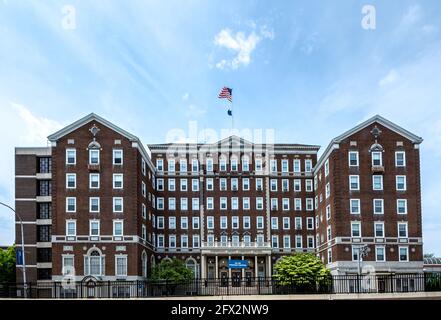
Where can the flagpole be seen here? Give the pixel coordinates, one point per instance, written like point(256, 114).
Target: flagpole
point(232, 116)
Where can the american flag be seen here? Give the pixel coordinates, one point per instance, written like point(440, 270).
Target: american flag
point(226, 93)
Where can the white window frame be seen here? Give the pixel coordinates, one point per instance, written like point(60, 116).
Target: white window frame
point(74, 222)
point(115, 222)
point(114, 180)
point(382, 206)
point(67, 204)
point(122, 204)
point(75, 156)
point(91, 151)
point(113, 157)
point(373, 182)
point(404, 158)
point(376, 253)
point(358, 182)
point(396, 182)
point(354, 223)
point(380, 158)
point(405, 206)
point(90, 204)
point(90, 180)
point(399, 254)
point(356, 157)
point(92, 221)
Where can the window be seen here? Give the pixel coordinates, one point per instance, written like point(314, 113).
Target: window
point(377, 159)
point(260, 240)
point(259, 222)
point(309, 204)
point(274, 223)
point(310, 240)
point(94, 204)
point(308, 165)
point(404, 253)
point(94, 264)
point(68, 264)
point(94, 156)
point(401, 183)
point(275, 241)
point(117, 157)
point(171, 165)
point(377, 182)
point(143, 232)
point(118, 204)
point(223, 203)
point(209, 165)
point(71, 228)
point(195, 241)
point(235, 241)
point(259, 203)
point(223, 222)
point(160, 243)
point(328, 212)
point(259, 183)
point(297, 185)
point(246, 203)
point(379, 229)
point(274, 204)
point(246, 222)
point(355, 253)
point(286, 242)
point(286, 223)
point(160, 222)
point(296, 165)
point(378, 205)
point(328, 190)
point(234, 184)
point(298, 223)
point(222, 184)
point(210, 240)
point(94, 228)
point(71, 204)
point(355, 206)
point(194, 165)
point(402, 229)
point(400, 159)
point(143, 189)
point(184, 185)
point(194, 185)
point(160, 165)
point(401, 206)
point(353, 158)
point(273, 184)
point(210, 203)
point(117, 228)
point(160, 184)
point(143, 166)
point(144, 210)
point(171, 185)
point(247, 241)
point(117, 181)
point(245, 164)
point(195, 204)
point(195, 223)
point(94, 180)
point(310, 223)
point(285, 204)
point(45, 164)
point(222, 164)
point(210, 222)
point(354, 183)
point(44, 210)
point(171, 203)
point(273, 166)
point(183, 165)
point(234, 164)
point(172, 241)
point(326, 167)
point(299, 244)
point(308, 185)
point(44, 187)
point(209, 184)
point(258, 165)
point(284, 166)
point(71, 156)
point(71, 180)
point(297, 204)
point(172, 222)
point(356, 229)
point(235, 222)
point(184, 223)
point(184, 204)
point(245, 184)
point(380, 254)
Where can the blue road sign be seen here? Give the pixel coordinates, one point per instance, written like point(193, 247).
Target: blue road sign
point(236, 264)
point(19, 257)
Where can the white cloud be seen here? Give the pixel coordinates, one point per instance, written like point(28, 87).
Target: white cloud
point(241, 44)
point(21, 128)
point(391, 77)
point(185, 96)
point(412, 15)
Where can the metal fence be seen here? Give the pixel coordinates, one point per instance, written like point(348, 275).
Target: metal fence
point(396, 283)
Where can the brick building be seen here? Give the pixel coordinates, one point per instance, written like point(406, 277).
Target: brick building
point(98, 203)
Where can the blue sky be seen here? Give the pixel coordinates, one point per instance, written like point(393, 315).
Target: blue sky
point(306, 69)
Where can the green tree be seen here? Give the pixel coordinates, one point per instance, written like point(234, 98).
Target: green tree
point(301, 269)
point(174, 270)
point(429, 255)
point(7, 265)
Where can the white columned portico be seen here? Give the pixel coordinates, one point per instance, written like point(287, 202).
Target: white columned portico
point(268, 267)
point(203, 267)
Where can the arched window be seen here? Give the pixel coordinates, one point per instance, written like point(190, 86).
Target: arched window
point(144, 264)
point(94, 263)
point(191, 264)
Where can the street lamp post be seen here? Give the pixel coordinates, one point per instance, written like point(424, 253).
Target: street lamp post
point(22, 248)
point(362, 252)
